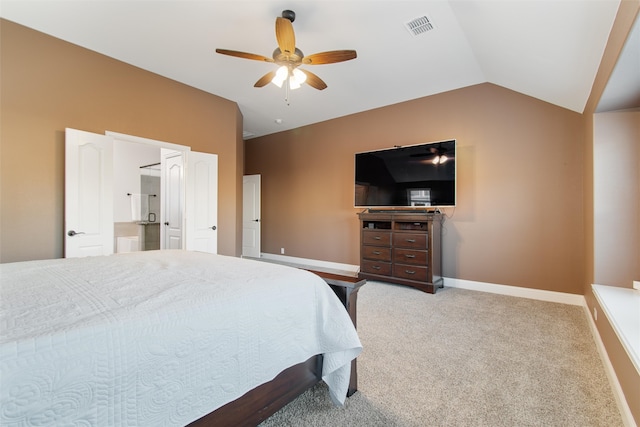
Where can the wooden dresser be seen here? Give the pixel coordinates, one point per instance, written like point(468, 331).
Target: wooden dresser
point(401, 247)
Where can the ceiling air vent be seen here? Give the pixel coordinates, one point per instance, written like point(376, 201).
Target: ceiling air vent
point(419, 25)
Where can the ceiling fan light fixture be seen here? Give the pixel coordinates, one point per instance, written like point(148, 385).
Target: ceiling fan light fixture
point(281, 76)
point(295, 77)
point(293, 83)
point(439, 159)
point(299, 76)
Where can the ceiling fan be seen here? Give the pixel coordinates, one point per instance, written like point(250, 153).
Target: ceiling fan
point(439, 154)
point(288, 57)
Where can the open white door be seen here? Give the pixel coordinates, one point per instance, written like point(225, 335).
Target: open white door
point(202, 202)
point(88, 194)
point(172, 189)
point(251, 216)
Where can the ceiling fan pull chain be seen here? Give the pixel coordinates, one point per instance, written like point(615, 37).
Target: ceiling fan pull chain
point(287, 92)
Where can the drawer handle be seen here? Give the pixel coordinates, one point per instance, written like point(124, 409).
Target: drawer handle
point(377, 237)
point(376, 267)
point(411, 240)
point(377, 252)
point(409, 255)
point(410, 272)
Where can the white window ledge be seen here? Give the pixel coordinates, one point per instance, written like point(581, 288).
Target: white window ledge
point(622, 308)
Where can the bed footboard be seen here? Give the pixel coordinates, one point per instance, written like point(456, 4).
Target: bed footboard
point(265, 400)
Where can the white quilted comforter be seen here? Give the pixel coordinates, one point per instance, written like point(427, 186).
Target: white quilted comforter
point(158, 338)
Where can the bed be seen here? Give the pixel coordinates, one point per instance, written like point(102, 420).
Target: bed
point(165, 338)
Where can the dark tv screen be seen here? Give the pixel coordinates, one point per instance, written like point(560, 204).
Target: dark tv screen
point(422, 175)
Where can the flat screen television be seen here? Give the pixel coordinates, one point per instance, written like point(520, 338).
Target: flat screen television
point(419, 176)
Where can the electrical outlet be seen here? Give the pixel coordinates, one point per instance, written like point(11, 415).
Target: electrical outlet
point(282, 251)
point(595, 313)
point(636, 285)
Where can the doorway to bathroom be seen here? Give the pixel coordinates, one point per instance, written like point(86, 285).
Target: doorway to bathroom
point(112, 202)
point(137, 196)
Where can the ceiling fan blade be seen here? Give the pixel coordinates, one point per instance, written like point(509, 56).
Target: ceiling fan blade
point(285, 35)
point(264, 80)
point(313, 80)
point(329, 57)
point(244, 55)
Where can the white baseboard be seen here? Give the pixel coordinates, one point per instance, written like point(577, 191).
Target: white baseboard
point(618, 394)
point(539, 294)
point(515, 291)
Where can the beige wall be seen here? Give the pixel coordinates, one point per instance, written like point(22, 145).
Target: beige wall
point(519, 213)
point(48, 85)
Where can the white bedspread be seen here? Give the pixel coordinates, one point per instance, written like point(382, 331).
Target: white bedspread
point(158, 338)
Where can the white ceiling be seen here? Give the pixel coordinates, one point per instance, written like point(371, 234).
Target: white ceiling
point(547, 49)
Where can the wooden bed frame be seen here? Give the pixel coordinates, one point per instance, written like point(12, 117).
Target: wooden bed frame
point(265, 400)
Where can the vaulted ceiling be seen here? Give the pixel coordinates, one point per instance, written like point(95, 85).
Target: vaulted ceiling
point(547, 49)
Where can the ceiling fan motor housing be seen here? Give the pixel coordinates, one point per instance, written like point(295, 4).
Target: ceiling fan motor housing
point(292, 59)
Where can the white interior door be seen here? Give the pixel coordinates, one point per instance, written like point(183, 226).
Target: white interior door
point(202, 202)
point(88, 194)
point(172, 189)
point(251, 216)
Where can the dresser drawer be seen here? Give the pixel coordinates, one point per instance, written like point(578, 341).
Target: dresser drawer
point(409, 256)
point(375, 267)
point(377, 253)
point(375, 237)
point(408, 240)
point(410, 272)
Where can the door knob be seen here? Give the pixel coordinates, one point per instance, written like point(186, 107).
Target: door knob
point(214, 227)
point(166, 223)
point(72, 233)
point(256, 220)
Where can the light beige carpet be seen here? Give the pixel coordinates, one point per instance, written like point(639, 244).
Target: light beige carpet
point(465, 358)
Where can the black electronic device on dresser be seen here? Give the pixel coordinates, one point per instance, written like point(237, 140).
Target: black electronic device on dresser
point(421, 175)
point(401, 247)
